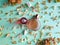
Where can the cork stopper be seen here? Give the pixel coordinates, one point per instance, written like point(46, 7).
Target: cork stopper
point(35, 16)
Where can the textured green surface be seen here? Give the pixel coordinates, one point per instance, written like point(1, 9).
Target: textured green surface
point(8, 27)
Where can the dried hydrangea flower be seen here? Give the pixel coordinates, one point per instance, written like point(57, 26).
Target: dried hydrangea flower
point(7, 35)
point(57, 0)
point(28, 4)
point(14, 42)
point(1, 28)
point(29, 42)
point(54, 18)
point(10, 20)
point(45, 7)
point(49, 1)
point(48, 27)
point(12, 38)
point(44, 2)
point(58, 40)
point(47, 41)
point(45, 12)
point(6, 13)
point(25, 32)
point(5, 5)
point(0, 33)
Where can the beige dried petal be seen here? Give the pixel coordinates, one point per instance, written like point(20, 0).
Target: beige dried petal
point(7, 35)
point(14, 42)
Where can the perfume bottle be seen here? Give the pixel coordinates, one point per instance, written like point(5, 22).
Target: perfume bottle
point(32, 24)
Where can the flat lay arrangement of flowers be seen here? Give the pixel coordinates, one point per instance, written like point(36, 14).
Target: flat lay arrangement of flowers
point(29, 22)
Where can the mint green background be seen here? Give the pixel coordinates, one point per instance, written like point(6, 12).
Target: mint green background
point(4, 40)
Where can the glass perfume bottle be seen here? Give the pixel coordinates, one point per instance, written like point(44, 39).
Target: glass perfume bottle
point(32, 24)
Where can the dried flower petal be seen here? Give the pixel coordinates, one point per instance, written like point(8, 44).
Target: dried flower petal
point(14, 42)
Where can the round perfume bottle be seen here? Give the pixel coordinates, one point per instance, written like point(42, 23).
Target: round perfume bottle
point(33, 23)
